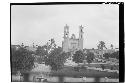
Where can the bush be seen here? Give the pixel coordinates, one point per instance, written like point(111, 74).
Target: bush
point(106, 55)
point(102, 66)
point(76, 68)
point(56, 59)
point(83, 67)
point(90, 57)
point(21, 60)
point(115, 55)
point(78, 57)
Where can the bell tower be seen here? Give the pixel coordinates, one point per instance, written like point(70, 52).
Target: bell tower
point(66, 31)
point(81, 37)
point(66, 38)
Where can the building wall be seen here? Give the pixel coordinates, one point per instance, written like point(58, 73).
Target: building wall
point(81, 37)
point(73, 44)
point(80, 44)
point(65, 45)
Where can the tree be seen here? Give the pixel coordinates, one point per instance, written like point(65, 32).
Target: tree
point(78, 57)
point(111, 55)
point(51, 45)
point(115, 55)
point(41, 51)
point(106, 55)
point(61, 59)
point(45, 50)
point(56, 59)
point(21, 60)
point(90, 57)
point(101, 45)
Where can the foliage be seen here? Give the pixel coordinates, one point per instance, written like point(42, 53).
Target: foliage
point(101, 45)
point(102, 66)
point(51, 45)
point(45, 50)
point(77, 68)
point(115, 55)
point(21, 59)
point(51, 54)
point(56, 58)
point(90, 57)
point(111, 55)
point(106, 55)
point(79, 56)
point(41, 51)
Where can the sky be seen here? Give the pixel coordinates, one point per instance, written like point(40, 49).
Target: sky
point(39, 23)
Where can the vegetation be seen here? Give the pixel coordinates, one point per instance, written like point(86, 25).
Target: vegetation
point(89, 57)
point(69, 71)
point(111, 55)
point(101, 45)
point(21, 60)
point(47, 48)
point(44, 51)
point(78, 57)
point(41, 51)
point(52, 55)
point(106, 55)
point(115, 55)
point(56, 59)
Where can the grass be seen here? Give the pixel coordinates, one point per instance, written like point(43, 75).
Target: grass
point(107, 66)
point(70, 72)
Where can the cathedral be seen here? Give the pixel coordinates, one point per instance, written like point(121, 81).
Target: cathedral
point(72, 44)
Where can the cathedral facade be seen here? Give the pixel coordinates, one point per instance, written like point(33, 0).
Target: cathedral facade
point(72, 44)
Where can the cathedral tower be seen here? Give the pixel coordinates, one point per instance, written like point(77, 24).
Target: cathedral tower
point(66, 31)
point(66, 38)
point(81, 37)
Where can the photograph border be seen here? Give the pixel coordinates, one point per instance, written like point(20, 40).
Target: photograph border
point(121, 28)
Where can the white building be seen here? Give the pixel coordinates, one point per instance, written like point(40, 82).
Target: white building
point(72, 44)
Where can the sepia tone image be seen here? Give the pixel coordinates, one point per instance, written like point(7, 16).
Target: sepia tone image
point(65, 43)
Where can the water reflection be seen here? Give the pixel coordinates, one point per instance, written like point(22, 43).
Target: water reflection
point(48, 79)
